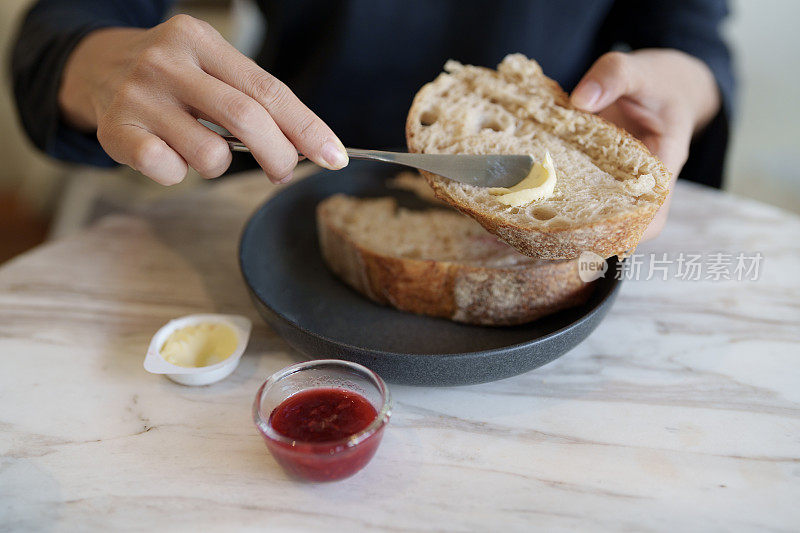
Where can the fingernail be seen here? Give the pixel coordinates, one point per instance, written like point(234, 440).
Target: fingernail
point(286, 178)
point(335, 155)
point(587, 94)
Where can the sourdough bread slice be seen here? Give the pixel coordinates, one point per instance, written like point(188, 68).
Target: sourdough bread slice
point(438, 262)
point(608, 186)
point(413, 182)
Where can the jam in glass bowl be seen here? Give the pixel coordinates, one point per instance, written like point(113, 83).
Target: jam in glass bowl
point(322, 420)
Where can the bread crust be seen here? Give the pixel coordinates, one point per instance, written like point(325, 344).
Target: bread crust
point(463, 293)
point(615, 235)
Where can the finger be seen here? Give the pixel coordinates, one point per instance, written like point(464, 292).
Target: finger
point(201, 148)
point(673, 153)
point(673, 150)
point(242, 116)
point(659, 221)
point(609, 78)
point(300, 125)
point(635, 118)
point(136, 147)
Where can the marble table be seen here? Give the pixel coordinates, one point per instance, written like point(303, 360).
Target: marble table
point(680, 412)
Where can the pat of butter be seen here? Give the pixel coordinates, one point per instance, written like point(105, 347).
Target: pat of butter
point(537, 185)
point(199, 345)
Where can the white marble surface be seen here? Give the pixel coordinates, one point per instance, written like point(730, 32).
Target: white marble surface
point(680, 412)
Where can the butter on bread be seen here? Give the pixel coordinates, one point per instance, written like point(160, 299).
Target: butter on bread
point(608, 186)
point(539, 184)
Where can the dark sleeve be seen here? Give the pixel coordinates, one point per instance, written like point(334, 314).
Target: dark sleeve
point(692, 26)
point(48, 34)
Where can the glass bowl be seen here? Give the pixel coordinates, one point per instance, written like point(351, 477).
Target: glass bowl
point(328, 460)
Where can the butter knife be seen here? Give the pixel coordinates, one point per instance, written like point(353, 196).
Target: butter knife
point(480, 170)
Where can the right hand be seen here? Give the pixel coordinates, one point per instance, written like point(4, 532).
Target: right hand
point(661, 96)
point(143, 91)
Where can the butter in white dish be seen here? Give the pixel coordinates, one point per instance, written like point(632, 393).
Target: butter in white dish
point(199, 345)
point(198, 349)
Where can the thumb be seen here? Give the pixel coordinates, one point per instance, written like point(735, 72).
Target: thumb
point(609, 78)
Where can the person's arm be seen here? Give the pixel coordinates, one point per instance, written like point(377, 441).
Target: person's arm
point(674, 91)
point(46, 38)
point(142, 91)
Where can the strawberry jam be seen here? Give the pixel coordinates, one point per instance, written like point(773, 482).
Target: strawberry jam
point(317, 426)
point(320, 415)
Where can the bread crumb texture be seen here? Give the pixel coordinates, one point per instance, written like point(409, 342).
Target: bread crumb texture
point(438, 262)
point(608, 185)
point(378, 224)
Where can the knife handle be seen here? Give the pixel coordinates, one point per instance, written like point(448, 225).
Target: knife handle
point(401, 158)
point(354, 153)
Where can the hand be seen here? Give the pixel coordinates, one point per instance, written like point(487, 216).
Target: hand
point(660, 96)
point(143, 91)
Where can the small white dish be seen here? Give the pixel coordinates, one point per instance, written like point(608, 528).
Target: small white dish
point(204, 375)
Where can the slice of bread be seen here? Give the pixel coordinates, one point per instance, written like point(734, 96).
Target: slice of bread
point(608, 186)
point(413, 182)
point(438, 262)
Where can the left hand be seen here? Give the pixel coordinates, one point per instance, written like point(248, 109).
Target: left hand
point(661, 96)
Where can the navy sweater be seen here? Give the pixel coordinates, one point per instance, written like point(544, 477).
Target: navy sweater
point(358, 63)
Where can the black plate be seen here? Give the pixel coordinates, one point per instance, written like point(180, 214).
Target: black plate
point(323, 318)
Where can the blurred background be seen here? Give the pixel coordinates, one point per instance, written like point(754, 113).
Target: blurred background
point(41, 199)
